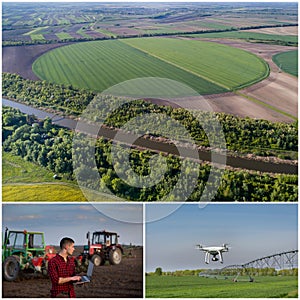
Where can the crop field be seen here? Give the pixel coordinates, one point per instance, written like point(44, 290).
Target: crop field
point(25, 181)
point(63, 35)
point(206, 67)
point(199, 287)
point(255, 36)
point(225, 66)
point(287, 61)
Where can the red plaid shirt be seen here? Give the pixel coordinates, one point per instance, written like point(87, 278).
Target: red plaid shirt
point(58, 267)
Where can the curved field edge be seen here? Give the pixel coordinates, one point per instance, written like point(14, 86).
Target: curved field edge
point(287, 61)
point(119, 61)
point(189, 60)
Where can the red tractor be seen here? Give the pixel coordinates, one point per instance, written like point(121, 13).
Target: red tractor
point(104, 247)
point(24, 251)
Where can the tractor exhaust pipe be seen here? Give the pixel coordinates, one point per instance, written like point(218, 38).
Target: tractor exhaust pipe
point(5, 236)
point(88, 238)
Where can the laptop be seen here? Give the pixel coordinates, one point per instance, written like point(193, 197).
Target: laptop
point(88, 277)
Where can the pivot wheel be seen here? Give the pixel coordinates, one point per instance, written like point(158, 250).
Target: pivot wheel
point(11, 268)
point(115, 256)
point(96, 260)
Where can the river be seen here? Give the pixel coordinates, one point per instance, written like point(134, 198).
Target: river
point(236, 162)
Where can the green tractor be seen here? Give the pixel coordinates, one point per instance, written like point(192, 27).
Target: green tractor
point(24, 251)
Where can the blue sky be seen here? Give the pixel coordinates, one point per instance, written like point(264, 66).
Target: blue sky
point(252, 230)
point(75, 220)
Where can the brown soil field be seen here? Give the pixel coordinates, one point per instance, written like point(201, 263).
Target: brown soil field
point(290, 30)
point(119, 281)
point(19, 59)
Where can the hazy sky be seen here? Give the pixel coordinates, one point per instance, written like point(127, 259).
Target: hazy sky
point(75, 220)
point(252, 230)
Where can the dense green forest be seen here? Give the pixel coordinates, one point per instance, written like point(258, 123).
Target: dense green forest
point(44, 94)
point(242, 135)
point(51, 146)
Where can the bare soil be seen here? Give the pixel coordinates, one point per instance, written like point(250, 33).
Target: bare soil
point(19, 59)
point(120, 281)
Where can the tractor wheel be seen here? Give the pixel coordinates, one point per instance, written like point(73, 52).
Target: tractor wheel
point(115, 256)
point(11, 268)
point(96, 260)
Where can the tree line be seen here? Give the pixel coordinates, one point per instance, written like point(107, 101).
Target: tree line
point(64, 98)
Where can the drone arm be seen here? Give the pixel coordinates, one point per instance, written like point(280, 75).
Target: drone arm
point(221, 256)
point(207, 257)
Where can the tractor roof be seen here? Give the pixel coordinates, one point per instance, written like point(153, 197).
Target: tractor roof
point(26, 232)
point(104, 232)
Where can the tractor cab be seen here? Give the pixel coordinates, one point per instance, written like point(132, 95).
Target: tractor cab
point(106, 239)
point(23, 242)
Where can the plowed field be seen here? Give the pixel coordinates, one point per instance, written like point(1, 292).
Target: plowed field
point(120, 281)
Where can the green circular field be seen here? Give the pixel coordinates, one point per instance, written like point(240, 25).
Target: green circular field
point(287, 61)
point(206, 67)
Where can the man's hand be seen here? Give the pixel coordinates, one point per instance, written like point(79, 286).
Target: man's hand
point(76, 278)
point(62, 280)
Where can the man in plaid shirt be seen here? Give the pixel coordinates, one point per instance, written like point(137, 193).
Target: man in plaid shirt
point(61, 269)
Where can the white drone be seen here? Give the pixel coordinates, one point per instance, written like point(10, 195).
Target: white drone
point(214, 251)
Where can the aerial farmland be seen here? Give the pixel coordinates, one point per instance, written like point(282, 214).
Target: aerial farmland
point(238, 59)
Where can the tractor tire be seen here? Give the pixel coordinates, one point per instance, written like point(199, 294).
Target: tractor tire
point(96, 260)
point(115, 256)
point(11, 268)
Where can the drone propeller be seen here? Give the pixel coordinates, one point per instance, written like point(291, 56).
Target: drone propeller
point(226, 246)
point(198, 246)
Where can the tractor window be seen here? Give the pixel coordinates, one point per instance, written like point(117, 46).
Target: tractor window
point(98, 239)
point(35, 241)
point(17, 240)
point(114, 239)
